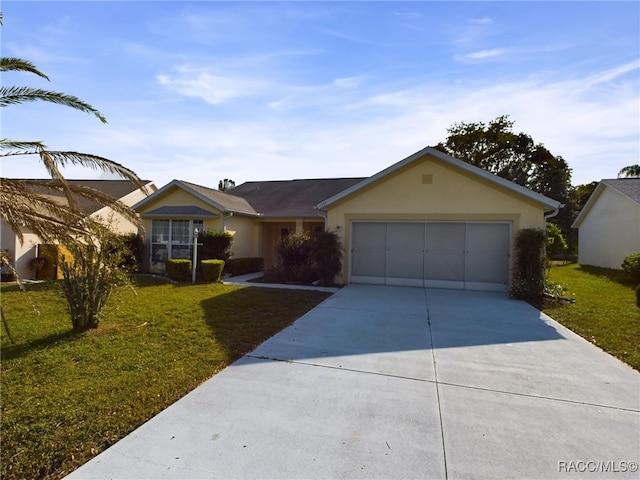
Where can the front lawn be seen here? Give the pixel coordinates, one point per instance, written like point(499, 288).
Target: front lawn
point(605, 312)
point(66, 397)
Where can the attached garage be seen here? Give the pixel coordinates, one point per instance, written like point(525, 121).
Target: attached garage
point(432, 220)
point(466, 255)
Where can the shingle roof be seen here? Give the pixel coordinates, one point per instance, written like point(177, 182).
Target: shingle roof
point(628, 186)
point(291, 198)
point(229, 202)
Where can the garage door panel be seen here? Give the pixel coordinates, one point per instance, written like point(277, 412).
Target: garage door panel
point(369, 263)
point(370, 236)
point(487, 237)
point(405, 236)
point(444, 266)
point(445, 237)
point(404, 263)
point(487, 268)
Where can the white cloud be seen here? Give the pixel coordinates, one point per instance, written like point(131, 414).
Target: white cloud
point(211, 88)
point(480, 55)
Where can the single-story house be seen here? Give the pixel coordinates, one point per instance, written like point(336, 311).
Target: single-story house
point(429, 219)
point(124, 190)
point(609, 223)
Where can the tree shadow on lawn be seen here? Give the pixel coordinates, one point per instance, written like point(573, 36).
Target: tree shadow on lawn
point(243, 318)
point(12, 351)
point(617, 276)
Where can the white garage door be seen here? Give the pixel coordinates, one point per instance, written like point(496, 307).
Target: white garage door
point(474, 256)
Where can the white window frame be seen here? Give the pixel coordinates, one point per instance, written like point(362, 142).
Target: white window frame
point(166, 238)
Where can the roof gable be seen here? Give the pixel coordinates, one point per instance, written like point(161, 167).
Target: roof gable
point(626, 187)
point(221, 201)
point(548, 203)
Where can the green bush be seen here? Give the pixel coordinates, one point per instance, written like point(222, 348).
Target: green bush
point(631, 265)
point(133, 247)
point(89, 279)
point(293, 250)
point(556, 244)
point(215, 245)
point(211, 270)
point(638, 296)
point(240, 266)
point(179, 269)
point(327, 256)
point(529, 270)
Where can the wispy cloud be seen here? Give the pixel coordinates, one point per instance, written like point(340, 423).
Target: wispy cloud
point(210, 87)
point(482, 54)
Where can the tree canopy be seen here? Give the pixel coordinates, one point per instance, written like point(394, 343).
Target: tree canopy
point(495, 147)
point(630, 171)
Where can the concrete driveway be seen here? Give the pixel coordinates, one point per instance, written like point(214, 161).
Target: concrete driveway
point(392, 382)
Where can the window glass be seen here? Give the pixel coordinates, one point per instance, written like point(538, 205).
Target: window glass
point(179, 231)
point(160, 231)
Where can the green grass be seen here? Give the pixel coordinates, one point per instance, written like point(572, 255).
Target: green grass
point(66, 397)
point(605, 312)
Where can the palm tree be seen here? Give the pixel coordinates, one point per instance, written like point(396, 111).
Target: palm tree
point(31, 205)
point(630, 171)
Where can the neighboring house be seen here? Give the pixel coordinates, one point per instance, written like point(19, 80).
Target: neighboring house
point(123, 190)
point(609, 223)
point(429, 220)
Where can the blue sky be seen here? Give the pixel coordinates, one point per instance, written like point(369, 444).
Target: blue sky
point(205, 90)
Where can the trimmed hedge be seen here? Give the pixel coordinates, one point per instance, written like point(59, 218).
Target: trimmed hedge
point(211, 270)
point(179, 269)
point(240, 266)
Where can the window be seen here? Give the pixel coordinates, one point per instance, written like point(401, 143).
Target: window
point(172, 239)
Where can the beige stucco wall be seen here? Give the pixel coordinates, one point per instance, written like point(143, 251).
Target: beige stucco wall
point(610, 231)
point(429, 189)
point(117, 222)
point(21, 253)
point(245, 236)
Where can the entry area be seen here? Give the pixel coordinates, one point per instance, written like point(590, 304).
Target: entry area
point(460, 255)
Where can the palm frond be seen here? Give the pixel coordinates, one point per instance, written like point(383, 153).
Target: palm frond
point(20, 65)
point(20, 147)
point(95, 162)
point(41, 207)
point(17, 95)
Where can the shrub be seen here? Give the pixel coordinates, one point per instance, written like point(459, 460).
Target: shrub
point(293, 259)
point(88, 281)
point(178, 269)
point(215, 245)
point(240, 266)
point(631, 265)
point(293, 250)
point(211, 270)
point(327, 256)
point(529, 276)
point(133, 247)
